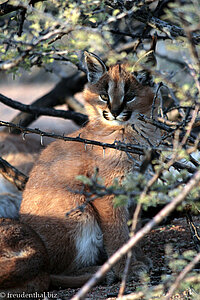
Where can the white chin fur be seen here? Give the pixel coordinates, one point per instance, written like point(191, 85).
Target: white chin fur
point(119, 119)
point(116, 122)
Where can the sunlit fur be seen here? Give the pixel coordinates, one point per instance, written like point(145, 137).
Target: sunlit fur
point(120, 86)
point(81, 240)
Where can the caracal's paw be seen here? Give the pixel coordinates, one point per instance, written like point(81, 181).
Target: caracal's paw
point(141, 257)
point(110, 278)
point(138, 269)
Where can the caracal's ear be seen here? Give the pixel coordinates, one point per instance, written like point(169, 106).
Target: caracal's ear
point(95, 67)
point(146, 63)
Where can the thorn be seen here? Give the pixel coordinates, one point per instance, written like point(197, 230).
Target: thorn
point(103, 152)
point(23, 136)
point(41, 140)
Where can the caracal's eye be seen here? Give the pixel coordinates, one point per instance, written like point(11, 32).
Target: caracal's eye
point(130, 98)
point(104, 97)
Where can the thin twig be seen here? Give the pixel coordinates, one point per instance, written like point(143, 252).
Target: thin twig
point(181, 276)
point(9, 64)
point(154, 100)
point(139, 295)
point(125, 275)
point(129, 255)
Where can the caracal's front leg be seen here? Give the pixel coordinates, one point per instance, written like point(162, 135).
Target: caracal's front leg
point(113, 223)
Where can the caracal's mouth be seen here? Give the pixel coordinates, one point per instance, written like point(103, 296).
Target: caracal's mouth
point(122, 117)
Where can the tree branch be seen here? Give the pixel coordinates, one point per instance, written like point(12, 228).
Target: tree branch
point(146, 17)
point(136, 149)
point(12, 174)
point(6, 8)
point(137, 237)
point(39, 111)
point(128, 148)
point(60, 94)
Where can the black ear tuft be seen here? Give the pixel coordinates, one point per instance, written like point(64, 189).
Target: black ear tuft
point(95, 67)
point(144, 77)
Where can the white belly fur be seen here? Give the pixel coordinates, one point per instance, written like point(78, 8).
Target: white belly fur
point(89, 241)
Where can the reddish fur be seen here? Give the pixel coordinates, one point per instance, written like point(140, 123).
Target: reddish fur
point(48, 197)
point(17, 238)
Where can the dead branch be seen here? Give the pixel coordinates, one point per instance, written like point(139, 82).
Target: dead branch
point(136, 36)
point(6, 8)
point(172, 31)
point(138, 236)
point(41, 111)
point(181, 166)
point(173, 127)
point(155, 122)
point(59, 95)
point(144, 16)
point(12, 174)
point(154, 99)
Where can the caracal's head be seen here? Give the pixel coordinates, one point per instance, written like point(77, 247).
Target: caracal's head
point(114, 96)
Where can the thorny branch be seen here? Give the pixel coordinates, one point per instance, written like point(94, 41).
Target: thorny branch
point(136, 149)
point(118, 145)
point(128, 148)
point(97, 190)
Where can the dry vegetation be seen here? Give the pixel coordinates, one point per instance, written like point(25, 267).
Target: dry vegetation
point(51, 36)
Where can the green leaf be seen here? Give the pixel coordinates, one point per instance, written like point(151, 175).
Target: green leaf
point(85, 180)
